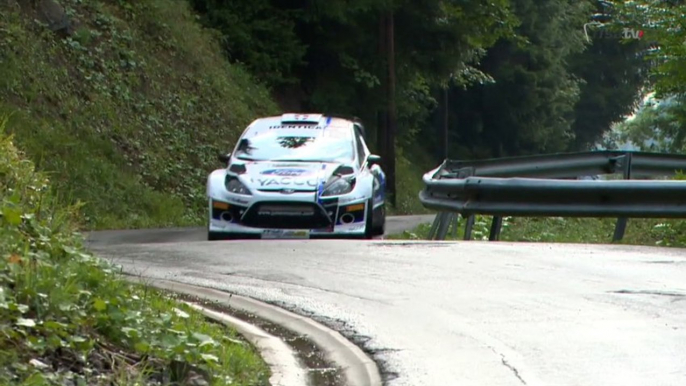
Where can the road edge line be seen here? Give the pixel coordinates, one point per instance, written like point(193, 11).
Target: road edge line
point(358, 367)
point(286, 369)
point(281, 359)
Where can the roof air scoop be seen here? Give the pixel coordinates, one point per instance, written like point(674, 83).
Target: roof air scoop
point(301, 118)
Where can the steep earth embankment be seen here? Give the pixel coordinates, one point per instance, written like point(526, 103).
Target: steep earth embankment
point(127, 103)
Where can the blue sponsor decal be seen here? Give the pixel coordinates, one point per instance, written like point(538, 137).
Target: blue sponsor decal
point(380, 195)
point(320, 190)
point(382, 178)
point(286, 172)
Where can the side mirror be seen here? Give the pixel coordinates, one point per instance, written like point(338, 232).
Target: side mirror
point(373, 159)
point(224, 158)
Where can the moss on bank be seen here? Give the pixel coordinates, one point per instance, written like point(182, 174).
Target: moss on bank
point(128, 113)
point(66, 317)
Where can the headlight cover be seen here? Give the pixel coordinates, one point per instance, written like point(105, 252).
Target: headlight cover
point(233, 185)
point(337, 187)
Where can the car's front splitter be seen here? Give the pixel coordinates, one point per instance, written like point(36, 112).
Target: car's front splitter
point(218, 226)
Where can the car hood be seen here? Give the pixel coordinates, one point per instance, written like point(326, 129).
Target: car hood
point(299, 176)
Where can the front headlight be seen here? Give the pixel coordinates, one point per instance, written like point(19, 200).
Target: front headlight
point(337, 187)
point(233, 185)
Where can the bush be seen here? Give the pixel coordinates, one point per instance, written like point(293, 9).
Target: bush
point(66, 315)
point(129, 112)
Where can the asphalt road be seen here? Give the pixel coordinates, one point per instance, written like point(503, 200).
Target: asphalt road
point(394, 225)
point(460, 313)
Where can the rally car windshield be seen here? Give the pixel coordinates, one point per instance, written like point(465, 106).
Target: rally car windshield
point(269, 147)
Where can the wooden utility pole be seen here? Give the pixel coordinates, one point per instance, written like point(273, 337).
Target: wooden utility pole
point(392, 115)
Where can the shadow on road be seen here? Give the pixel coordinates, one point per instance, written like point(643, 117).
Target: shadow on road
point(394, 225)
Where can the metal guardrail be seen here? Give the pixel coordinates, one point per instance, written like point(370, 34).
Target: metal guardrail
point(546, 185)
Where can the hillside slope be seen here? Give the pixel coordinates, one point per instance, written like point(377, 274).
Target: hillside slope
point(127, 104)
point(68, 318)
point(127, 107)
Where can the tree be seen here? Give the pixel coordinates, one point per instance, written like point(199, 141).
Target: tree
point(342, 70)
point(613, 74)
point(663, 23)
point(656, 126)
point(529, 108)
point(258, 34)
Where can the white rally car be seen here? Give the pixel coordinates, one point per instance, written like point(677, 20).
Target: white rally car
point(298, 176)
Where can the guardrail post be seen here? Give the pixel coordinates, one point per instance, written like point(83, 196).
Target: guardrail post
point(456, 224)
point(443, 226)
point(620, 226)
point(434, 226)
point(496, 226)
point(469, 224)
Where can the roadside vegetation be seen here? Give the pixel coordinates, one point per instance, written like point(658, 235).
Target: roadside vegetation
point(67, 318)
point(652, 232)
point(127, 107)
point(127, 103)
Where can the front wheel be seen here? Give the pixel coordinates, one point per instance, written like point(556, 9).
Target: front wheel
point(214, 236)
point(380, 229)
point(369, 223)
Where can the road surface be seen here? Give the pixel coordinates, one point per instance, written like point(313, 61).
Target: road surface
point(394, 225)
point(455, 313)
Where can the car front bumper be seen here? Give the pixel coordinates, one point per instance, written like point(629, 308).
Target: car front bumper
point(298, 217)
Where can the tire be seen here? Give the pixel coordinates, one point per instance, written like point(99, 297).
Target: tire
point(369, 222)
point(214, 236)
point(380, 229)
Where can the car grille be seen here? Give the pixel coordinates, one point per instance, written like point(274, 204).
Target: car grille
point(296, 215)
point(286, 210)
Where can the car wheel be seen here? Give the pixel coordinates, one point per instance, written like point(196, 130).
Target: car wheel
point(380, 229)
point(369, 223)
point(213, 236)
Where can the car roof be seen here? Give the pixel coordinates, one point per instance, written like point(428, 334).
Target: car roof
point(300, 124)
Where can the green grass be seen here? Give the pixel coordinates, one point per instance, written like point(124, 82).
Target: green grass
point(410, 167)
point(66, 315)
point(127, 114)
point(654, 232)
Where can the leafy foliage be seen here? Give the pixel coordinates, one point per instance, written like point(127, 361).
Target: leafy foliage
point(257, 34)
point(342, 68)
point(657, 126)
point(667, 233)
point(530, 106)
point(129, 112)
point(66, 316)
point(660, 126)
point(663, 24)
point(614, 73)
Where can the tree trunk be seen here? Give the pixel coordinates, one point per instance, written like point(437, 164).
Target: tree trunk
point(382, 124)
point(445, 123)
point(392, 116)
